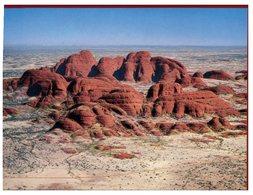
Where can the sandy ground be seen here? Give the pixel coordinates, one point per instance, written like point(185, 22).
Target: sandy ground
point(168, 162)
point(183, 161)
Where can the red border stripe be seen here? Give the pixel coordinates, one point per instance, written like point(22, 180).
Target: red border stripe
point(126, 6)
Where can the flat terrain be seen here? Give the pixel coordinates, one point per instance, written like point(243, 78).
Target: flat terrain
point(185, 161)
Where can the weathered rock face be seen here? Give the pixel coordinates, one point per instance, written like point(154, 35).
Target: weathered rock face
point(76, 64)
point(96, 121)
point(147, 125)
point(104, 117)
point(84, 116)
point(44, 84)
point(68, 125)
point(137, 67)
point(128, 99)
point(194, 127)
point(9, 111)
point(163, 89)
point(218, 124)
point(140, 66)
point(198, 127)
point(197, 82)
point(107, 66)
point(91, 89)
point(106, 91)
point(243, 74)
point(167, 128)
point(164, 127)
point(217, 74)
point(193, 103)
point(221, 89)
point(166, 68)
point(198, 74)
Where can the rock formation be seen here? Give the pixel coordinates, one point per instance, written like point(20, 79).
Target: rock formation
point(221, 89)
point(128, 99)
point(163, 89)
point(217, 74)
point(197, 82)
point(89, 100)
point(9, 111)
point(193, 103)
point(243, 74)
point(107, 66)
point(198, 74)
point(45, 84)
point(76, 64)
point(219, 124)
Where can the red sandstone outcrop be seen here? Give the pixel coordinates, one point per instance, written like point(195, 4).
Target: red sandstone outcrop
point(103, 147)
point(76, 64)
point(243, 74)
point(108, 91)
point(194, 127)
point(197, 82)
point(104, 117)
point(180, 127)
point(128, 99)
point(147, 125)
point(197, 127)
point(9, 111)
point(123, 155)
point(193, 103)
point(107, 66)
point(48, 85)
point(85, 119)
point(219, 124)
point(114, 108)
point(163, 89)
point(136, 67)
point(83, 115)
point(82, 121)
point(227, 134)
point(221, 89)
point(99, 105)
point(91, 89)
point(44, 84)
point(140, 66)
point(198, 74)
point(217, 74)
point(165, 127)
point(68, 125)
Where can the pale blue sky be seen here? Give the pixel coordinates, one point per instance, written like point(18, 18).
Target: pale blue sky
point(125, 26)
